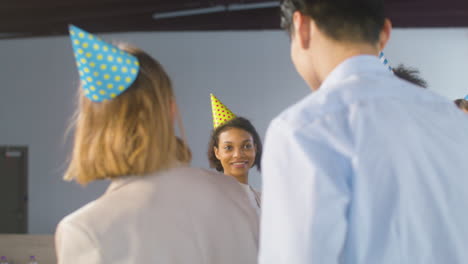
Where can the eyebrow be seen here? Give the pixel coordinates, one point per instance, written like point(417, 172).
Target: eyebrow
point(247, 140)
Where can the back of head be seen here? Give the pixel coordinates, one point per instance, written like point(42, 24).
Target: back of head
point(341, 20)
point(131, 134)
point(409, 74)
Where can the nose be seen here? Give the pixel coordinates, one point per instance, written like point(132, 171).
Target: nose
point(238, 152)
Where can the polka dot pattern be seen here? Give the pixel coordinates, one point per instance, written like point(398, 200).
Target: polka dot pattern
point(221, 114)
point(105, 71)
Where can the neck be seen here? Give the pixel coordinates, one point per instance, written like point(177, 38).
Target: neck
point(332, 53)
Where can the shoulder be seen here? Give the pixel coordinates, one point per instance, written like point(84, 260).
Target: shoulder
point(340, 101)
point(197, 185)
point(308, 117)
point(75, 218)
point(189, 176)
point(134, 190)
point(318, 105)
point(72, 227)
point(75, 240)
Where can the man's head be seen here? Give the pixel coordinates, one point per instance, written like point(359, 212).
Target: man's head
point(409, 74)
point(326, 32)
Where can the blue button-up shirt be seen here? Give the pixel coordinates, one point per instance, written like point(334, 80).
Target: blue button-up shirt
point(369, 169)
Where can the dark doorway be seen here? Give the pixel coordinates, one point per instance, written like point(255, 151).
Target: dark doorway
point(13, 189)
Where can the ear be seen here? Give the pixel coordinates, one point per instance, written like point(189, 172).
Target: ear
point(302, 26)
point(216, 152)
point(385, 34)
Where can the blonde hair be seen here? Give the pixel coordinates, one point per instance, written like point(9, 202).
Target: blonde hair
point(132, 134)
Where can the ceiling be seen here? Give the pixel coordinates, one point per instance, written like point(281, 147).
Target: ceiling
point(30, 18)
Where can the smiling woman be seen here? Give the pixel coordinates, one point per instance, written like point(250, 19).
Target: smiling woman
point(236, 151)
point(235, 148)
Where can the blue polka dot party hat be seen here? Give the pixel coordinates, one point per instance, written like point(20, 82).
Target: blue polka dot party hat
point(105, 70)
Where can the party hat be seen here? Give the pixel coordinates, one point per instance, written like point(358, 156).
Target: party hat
point(221, 114)
point(385, 61)
point(105, 70)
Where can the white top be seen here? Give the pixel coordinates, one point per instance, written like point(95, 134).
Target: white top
point(254, 197)
point(180, 216)
point(368, 169)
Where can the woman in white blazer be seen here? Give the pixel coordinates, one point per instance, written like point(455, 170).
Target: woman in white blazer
point(156, 209)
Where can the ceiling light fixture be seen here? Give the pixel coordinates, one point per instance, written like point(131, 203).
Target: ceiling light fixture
point(215, 9)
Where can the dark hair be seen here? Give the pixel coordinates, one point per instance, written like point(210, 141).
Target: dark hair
point(409, 74)
point(241, 123)
point(462, 104)
point(342, 20)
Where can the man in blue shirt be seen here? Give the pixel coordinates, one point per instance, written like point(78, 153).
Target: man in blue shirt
point(368, 169)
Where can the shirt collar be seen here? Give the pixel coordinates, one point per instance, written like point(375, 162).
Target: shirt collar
point(357, 65)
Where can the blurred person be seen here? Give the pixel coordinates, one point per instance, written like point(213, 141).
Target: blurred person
point(156, 209)
point(367, 169)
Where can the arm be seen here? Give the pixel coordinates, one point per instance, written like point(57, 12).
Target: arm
point(74, 245)
point(305, 197)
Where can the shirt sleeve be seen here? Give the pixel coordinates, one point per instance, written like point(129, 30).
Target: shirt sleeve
point(74, 245)
point(305, 197)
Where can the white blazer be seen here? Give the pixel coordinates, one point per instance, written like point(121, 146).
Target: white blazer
point(183, 215)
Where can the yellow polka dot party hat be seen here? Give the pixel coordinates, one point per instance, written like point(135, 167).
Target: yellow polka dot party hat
point(221, 114)
point(105, 70)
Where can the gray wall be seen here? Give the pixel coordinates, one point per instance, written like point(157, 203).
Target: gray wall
point(250, 72)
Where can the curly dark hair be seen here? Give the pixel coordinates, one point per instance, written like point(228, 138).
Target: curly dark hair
point(462, 104)
point(241, 123)
point(410, 74)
